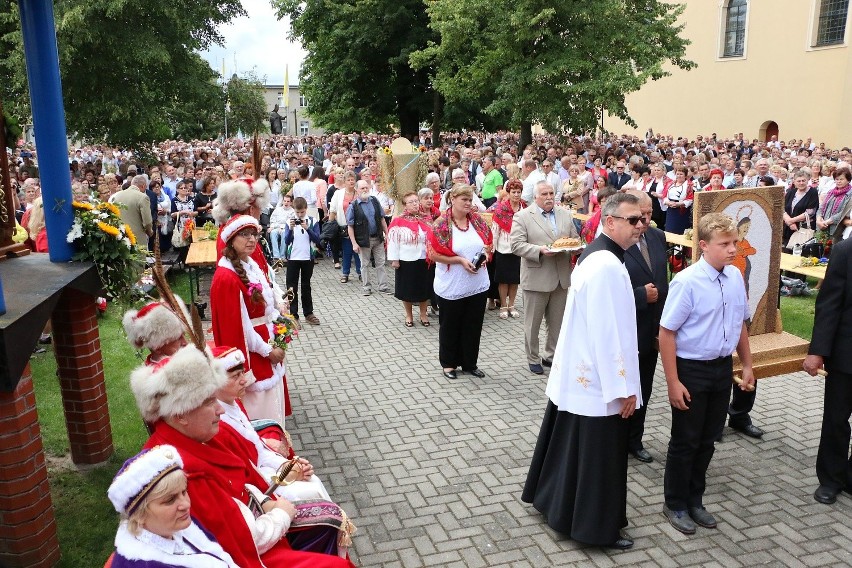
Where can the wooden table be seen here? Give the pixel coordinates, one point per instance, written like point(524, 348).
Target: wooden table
point(201, 254)
point(790, 263)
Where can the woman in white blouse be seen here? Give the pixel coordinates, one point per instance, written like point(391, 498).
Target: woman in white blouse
point(407, 236)
point(459, 244)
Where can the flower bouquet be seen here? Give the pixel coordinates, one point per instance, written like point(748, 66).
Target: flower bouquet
point(102, 238)
point(284, 329)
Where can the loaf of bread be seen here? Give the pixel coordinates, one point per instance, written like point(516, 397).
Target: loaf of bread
point(565, 242)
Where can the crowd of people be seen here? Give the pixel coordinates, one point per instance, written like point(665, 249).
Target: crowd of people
point(478, 233)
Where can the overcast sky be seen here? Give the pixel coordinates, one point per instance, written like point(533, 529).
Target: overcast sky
point(259, 42)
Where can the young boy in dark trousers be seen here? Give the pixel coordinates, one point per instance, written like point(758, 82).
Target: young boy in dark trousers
point(300, 232)
point(703, 322)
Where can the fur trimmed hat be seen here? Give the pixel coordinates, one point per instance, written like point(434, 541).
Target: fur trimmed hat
point(260, 191)
point(235, 224)
point(232, 197)
point(152, 326)
point(140, 475)
point(228, 357)
point(176, 385)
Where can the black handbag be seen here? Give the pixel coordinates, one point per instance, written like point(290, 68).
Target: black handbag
point(813, 249)
point(329, 232)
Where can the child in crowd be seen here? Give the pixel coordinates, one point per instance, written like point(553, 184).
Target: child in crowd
point(300, 232)
point(278, 220)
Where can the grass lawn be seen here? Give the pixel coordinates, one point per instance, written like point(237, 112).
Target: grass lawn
point(85, 518)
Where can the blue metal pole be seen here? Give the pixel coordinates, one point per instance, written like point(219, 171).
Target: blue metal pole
point(42, 59)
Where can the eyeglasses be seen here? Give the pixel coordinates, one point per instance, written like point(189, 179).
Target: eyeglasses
point(632, 220)
point(251, 233)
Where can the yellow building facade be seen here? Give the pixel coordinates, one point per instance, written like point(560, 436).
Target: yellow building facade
point(763, 67)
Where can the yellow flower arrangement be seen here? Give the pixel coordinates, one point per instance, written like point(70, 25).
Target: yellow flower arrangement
point(108, 229)
point(101, 237)
point(130, 236)
point(105, 205)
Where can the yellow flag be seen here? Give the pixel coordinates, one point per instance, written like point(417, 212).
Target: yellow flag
point(286, 90)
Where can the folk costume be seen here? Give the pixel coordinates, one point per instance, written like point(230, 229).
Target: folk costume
point(222, 482)
point(192, 547)
point(578, 475)
point(247, 325)
point(407, 236)
point(507, 265)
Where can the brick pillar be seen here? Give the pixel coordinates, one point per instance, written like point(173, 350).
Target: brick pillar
point(77, 347)
point(27, 525)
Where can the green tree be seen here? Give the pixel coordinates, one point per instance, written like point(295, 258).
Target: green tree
point(248, 109)
point(553, 62)
point(357, 74)
point(130, 70)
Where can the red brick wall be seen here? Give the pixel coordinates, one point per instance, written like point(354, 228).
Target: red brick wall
point(27, 525)
point(77, 347)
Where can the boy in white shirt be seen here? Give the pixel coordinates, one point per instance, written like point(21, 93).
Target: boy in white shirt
point(278, 221)
point(300, 232)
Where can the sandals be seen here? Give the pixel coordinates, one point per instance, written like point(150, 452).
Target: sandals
point(425, 323)
point(504, 313)
point(337, 265)
point(409, 323)
point(513, 312)
point(344, 279)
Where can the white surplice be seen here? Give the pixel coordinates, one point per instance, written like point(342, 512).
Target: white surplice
point(596, 361)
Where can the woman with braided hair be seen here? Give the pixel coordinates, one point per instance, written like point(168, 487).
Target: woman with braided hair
point(243, 310)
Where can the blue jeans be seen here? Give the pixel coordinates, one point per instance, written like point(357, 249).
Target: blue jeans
point(348, 257)
point(276, 240)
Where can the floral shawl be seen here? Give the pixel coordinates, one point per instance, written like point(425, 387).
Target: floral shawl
point(503, 214)
point(441, 237)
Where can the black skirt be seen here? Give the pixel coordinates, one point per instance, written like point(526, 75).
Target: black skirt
point(413, 281)
point(507, 269)
point(578, 475)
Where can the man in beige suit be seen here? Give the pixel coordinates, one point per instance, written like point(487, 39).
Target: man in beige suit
point(136, 210)
point(545, 275)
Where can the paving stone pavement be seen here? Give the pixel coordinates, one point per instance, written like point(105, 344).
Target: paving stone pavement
point(431, 470)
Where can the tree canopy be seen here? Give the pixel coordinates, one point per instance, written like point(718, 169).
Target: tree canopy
point(248, 109)
point(130, 71)
point(357, 73)
point(552, 62)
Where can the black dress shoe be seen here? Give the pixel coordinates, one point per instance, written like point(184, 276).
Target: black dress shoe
point(680, 520)
point(702, 517)
point(826, 495)
point(477, 372)
point(451, 374)
point(622, 544)
point(547, 362)
point(642, 455)
point(749, 430)
point(536, 369)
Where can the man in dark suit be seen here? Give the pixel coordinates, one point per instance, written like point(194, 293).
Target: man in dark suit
point(620, 176)
point(830, 343)
point(650, 287)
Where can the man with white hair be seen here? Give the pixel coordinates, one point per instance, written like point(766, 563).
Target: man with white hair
point(136, 209)
point(545, 275)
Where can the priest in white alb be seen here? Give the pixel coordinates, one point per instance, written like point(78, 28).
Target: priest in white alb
point(578, 475)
